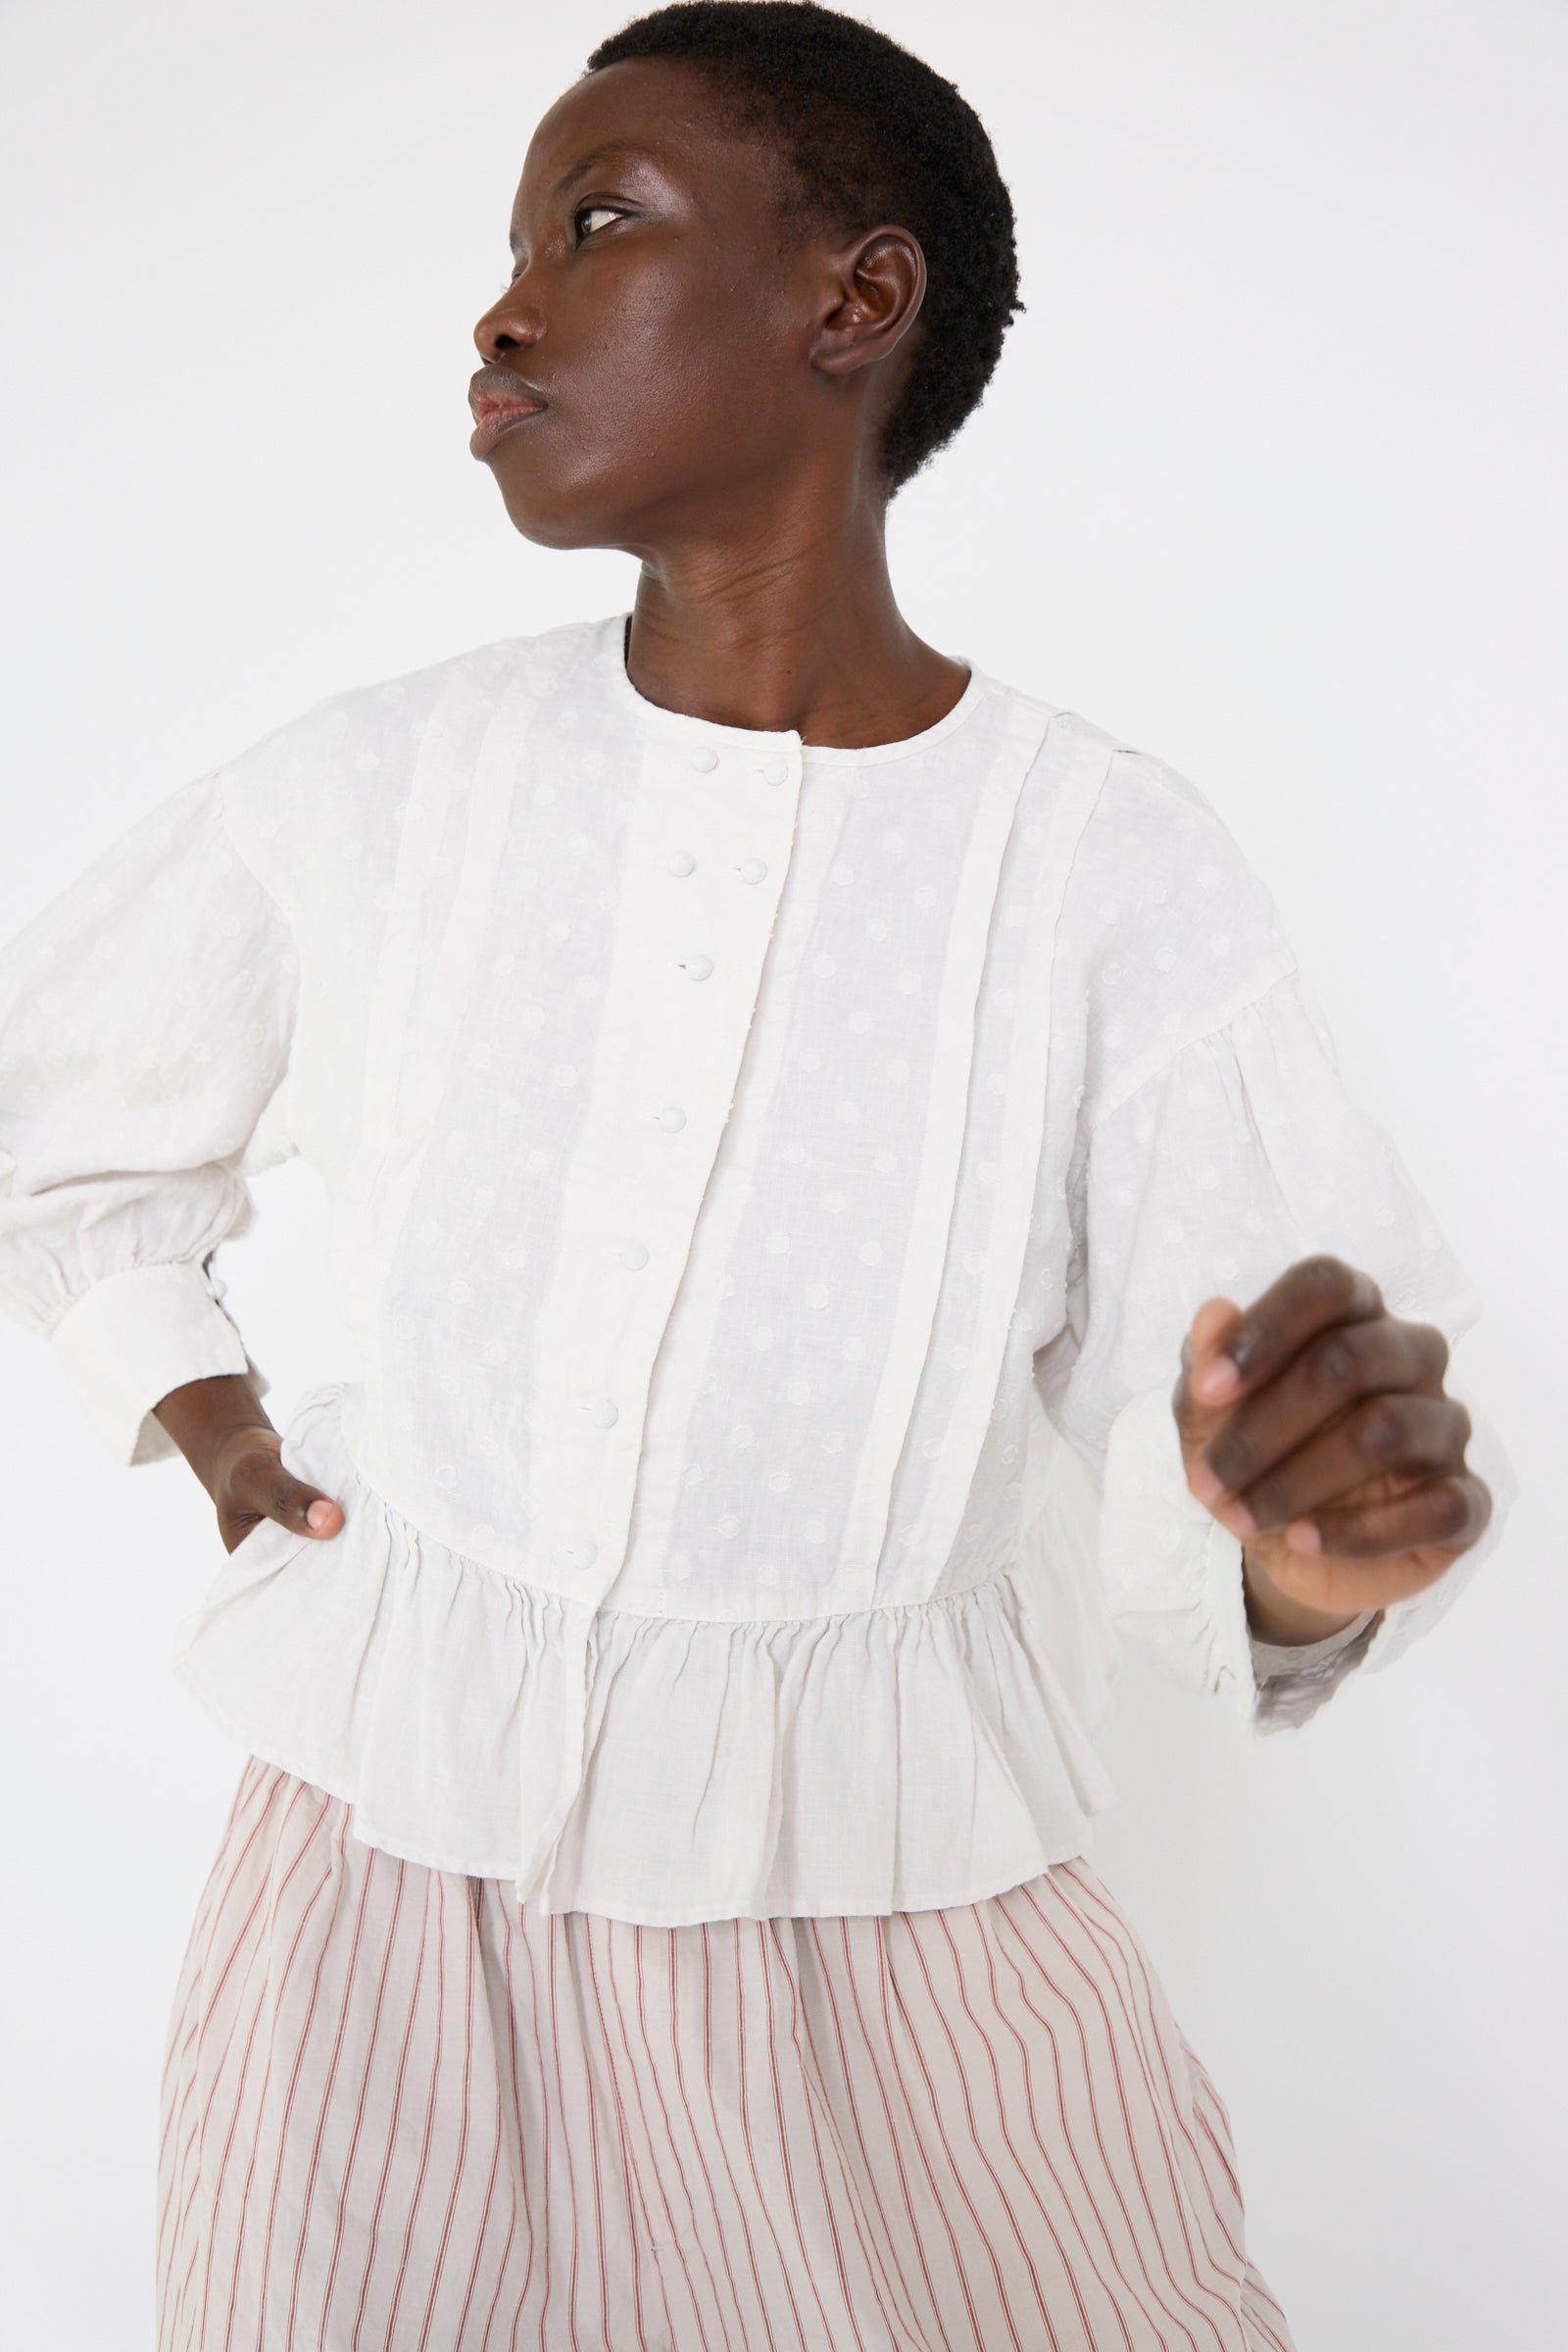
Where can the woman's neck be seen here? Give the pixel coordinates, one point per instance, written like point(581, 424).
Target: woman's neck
point(788, 627)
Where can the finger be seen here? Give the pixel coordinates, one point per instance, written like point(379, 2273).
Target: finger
point(1308, 1297)
point(1406, 1435)
point(259, 1487)
point(1445, 1515)
point(1196, 1416)
point(1321, 1387)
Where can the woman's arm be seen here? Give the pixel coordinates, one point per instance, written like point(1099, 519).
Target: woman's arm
point(221, 1428)
point(146, 1019)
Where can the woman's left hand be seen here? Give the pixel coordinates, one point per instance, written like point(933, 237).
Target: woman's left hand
point(1314, 1426)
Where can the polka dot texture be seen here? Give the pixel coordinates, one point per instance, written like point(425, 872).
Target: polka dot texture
point(764, 1179)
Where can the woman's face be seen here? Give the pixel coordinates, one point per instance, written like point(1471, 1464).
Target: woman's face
point(648, 371)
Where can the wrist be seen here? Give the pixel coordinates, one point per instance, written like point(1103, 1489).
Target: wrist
point(208, 1418)
point(1277, 1617)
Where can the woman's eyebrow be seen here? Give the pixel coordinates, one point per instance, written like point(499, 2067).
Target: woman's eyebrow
point(613, 151)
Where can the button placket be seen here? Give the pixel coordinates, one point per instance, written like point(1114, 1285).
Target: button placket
point(731, 830)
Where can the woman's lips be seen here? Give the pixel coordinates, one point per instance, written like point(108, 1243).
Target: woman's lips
point(498, 417)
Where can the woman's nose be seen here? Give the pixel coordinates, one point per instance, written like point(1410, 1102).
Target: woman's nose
point(513, 323)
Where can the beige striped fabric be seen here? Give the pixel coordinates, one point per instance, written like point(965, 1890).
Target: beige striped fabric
point(402, 2113)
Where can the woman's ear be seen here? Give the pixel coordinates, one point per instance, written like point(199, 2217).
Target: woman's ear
point(880, 286)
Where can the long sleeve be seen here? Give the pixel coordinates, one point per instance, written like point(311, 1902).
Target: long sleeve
point(145, 1024)
point(1239, 1155)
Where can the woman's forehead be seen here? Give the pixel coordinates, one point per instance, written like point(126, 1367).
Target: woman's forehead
point(643, 111)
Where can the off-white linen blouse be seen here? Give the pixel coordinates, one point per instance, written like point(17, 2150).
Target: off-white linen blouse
point(769, 1188)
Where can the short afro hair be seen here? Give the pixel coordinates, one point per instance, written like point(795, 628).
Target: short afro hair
point(868, 133)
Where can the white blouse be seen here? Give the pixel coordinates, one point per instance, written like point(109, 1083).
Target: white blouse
point(769, 1188)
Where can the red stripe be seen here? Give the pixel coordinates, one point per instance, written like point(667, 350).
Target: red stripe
point(979, 1929)
point(302, 1794)
point(344, 2013)
point(890, 1987)
point(673, 2235)
point(764, 2201)
point(893, 2280)
point(544, 2111)
point(437, 1881)
point(1048, 1975)
point(337, 1838)
point(463, 2138)
point(916, 2233)
point(193, 1985)
point(477, 1896)
point(784, 2152)
point(810, 2073)
point(508, 1947)
point(1031, 1899)
point(634, 2193)
point(391, 2141)
point(968, 2108)
point(215, 1898)
point(294, 1949)
point(400, 1884)
point(255, 1785)
point(1005, 1915)
point(552, 1964)
point(1126, 1947)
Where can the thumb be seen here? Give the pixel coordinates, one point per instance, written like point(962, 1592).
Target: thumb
point(257, 1486)
point(1198, 1413)
point(322, 1516)
point(304, 1506)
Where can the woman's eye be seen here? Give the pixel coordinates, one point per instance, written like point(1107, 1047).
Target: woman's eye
point(592, 217)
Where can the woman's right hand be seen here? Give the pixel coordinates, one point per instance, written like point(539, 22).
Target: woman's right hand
point(221, 1428)
point(251, 1484)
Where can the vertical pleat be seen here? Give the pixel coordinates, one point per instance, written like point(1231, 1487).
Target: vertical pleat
point(402, 2112)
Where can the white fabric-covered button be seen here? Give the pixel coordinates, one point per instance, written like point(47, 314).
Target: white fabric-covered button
point(605, 1413)
point(774, 772)
point(705, 758)
point(697, 968)
point(634, 1254)
point(578, 1556)
point(671, 1118)
point(755, 869)
point(680, 862)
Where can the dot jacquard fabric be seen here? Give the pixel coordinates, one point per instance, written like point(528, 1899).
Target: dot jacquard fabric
point(769, 1188)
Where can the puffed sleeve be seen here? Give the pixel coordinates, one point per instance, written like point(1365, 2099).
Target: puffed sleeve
point(145, 1024)
point(1239, 1155)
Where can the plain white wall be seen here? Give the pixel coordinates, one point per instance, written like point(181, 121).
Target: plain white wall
point(1273, 482)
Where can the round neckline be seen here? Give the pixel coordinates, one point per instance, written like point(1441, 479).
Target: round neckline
point(833, 755)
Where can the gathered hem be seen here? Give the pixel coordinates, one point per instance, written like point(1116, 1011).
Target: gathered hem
point(908, 1756)
point(259, 1743)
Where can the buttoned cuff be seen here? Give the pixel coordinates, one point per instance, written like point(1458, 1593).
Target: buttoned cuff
point(132, 1337)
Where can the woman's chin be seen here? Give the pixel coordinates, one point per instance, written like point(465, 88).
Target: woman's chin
point(557, 514)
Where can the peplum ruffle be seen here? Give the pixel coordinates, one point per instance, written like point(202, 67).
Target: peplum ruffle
point(658, 1768)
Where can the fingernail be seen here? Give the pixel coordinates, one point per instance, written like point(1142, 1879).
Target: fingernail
point(1218, 1379)
point(1206, 1484)
point(1302, 1536)
point(316, 1515)
point(1239, 1519)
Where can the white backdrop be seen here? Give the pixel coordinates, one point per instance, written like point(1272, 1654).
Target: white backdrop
point(1273, 482)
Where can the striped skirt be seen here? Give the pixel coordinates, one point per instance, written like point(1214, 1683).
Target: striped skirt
point(401, 2114)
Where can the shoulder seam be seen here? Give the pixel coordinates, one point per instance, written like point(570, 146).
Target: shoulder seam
point(1256, 993)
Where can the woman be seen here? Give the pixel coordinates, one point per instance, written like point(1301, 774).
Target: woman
point(848, 1208)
